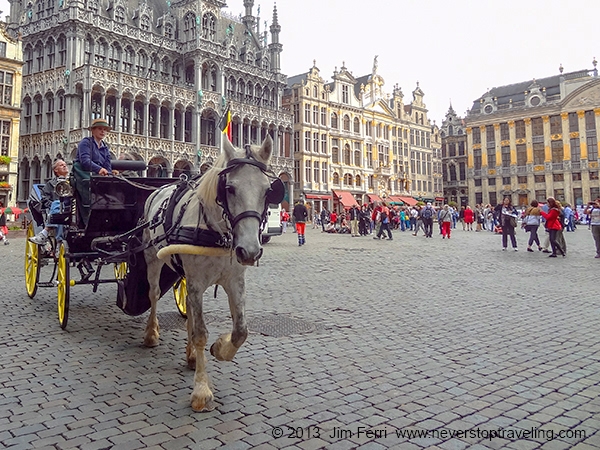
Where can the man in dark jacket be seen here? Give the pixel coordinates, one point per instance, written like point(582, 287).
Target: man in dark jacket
point(354, 216)
point(50, 202)
point(300, 217)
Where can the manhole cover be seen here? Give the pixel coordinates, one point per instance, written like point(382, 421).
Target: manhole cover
point(279, 326)
point(267, 324)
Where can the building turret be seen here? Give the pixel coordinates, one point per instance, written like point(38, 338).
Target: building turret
point(248, 18)
point(275, 47)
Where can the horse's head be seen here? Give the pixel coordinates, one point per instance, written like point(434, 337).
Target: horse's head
point(246, 187)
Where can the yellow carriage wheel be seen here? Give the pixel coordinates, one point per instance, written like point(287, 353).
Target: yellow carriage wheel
point(180, 294)
point(120, 271)
point(64, 285)
point(32, 263)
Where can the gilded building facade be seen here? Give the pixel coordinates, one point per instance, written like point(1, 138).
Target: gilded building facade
point(11, 63)
point(454, 159)
point(162, 74)
point(352, 141)
point(536, 139)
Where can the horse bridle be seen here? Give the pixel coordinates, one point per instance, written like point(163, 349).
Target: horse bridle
point(275, 193)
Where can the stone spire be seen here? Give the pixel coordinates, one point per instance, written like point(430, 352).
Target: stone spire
point(275, 47)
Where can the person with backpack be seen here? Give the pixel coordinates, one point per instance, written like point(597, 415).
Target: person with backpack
point(427, 217)
point(446, 221)
point(554, 226)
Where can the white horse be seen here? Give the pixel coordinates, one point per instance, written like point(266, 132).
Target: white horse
point(229, 204)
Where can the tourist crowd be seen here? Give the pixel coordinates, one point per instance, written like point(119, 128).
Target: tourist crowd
point(380, 220)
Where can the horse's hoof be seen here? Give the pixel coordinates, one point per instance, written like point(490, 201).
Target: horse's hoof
point(191, 363)
point(203, 400)
point(150, 342)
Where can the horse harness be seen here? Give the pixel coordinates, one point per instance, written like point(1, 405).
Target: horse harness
point(174, 233)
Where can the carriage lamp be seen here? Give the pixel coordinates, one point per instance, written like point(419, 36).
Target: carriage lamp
point(64, 189)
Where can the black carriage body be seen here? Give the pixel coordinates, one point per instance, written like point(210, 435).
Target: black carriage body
point(115, 207)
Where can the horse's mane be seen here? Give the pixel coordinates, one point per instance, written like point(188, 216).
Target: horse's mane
point(207, 188)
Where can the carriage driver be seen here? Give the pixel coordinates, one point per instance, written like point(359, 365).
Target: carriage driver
point(92, 153)
point(50, 201)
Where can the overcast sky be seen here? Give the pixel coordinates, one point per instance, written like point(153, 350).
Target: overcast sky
point(456, 49)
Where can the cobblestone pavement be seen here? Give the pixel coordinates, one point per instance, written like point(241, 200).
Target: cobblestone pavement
point(354, 344)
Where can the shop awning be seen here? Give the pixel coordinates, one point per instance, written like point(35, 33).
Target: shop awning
point(407, 200)
point(374, 198)
point(345, 198)
point(318, 197)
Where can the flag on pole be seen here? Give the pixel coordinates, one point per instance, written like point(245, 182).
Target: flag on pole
point(225, 122)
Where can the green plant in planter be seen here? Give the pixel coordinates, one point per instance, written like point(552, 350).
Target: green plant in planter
point(5, 160)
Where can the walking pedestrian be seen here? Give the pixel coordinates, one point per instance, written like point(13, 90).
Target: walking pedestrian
point(285, 218)
point(593, 211)
point(508, 222)
point(427, 214)
point(384, 220)
point(554, 226)
point(3, 228)
point(531, 223)
point(446, 221)
point(300, 214)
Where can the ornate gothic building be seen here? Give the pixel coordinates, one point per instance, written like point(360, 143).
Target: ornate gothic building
point(454, 159)
point(161, 72)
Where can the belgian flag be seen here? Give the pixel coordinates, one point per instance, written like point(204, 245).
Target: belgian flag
point(225, 122)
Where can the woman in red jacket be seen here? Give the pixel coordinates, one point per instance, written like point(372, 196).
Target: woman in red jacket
point(469, 218)
point(553, 225)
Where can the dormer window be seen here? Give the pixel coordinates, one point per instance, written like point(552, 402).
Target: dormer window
point(345, 95)
point(120, 14)
point(145, 22)
point(169, 30)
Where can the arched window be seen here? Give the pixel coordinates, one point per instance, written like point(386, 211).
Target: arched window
point(207, 129)
point(178, 125)
point(357, 158)
point(334, 121)
point(346, 123)
point(125, 115)
point(128, 59)
point(62, 50)
point(152, 123)
point(101, 52)
point(114, 56)
point(358, 181)
point(356, 125)
point(315, 92)
point(111, 111)
point(189, 26)
point(164, 122)
point(50, 53)
point(96, 105)
point(141, 64)
point(209, 26)
point(347, 180)
point(336, 178)
point(138, 117)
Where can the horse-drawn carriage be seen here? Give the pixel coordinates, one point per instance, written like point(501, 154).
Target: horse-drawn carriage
point(100, 231)
point(190, 234)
